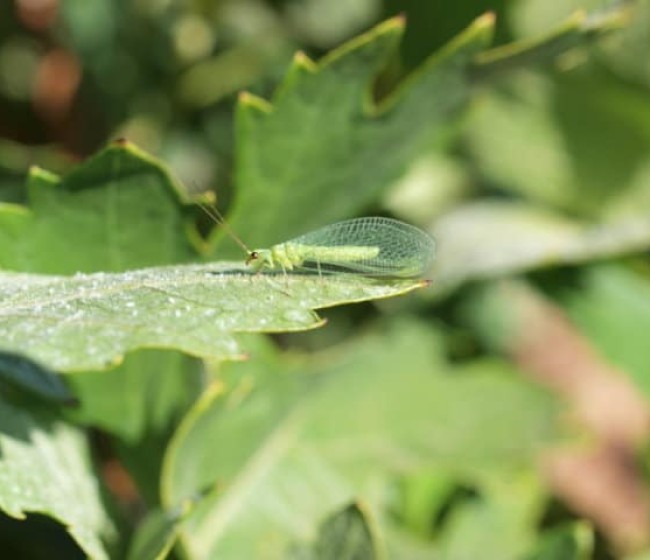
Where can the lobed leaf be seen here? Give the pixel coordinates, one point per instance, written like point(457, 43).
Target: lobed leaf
point(118, 210)
point(290, 150)
point(89, 321)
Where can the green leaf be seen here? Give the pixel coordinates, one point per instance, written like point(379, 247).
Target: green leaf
point(566, 160)
point(573, 541)
point(323, 132)
point(576, 30)
point(289, 153)
point(347, 535)
point(613, 310)
point(139, 402)
point(45, 468)
point(499, 523)
point(157, 533)
point(89, 321)
point(140, 396)
point(493, 238)
point(118, 210)
point(423, 496)
point(288, 444)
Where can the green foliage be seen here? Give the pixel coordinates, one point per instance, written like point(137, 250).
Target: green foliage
point(573, 542)
point(117, 211)
point(324, 426)
point(402, 427)
point(346, 535)
point(613, 311)
point(157, 533)
point(292, 174)
point(89, 321)
point(46, 468)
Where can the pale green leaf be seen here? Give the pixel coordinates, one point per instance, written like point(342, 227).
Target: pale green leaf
point(89, 321)
point(285, 448)
point(494, 238)
point(140, 396)
point(544, 140)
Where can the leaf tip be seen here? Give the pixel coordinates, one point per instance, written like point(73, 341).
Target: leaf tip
point(486, 21)
point(125, 145)
point(247, 100)
point(398, 21)
point(114, 361)
point(303, 62)
point(36, 172)
point(121, 141)
point(616, 17)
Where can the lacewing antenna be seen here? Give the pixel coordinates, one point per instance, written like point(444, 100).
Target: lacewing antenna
point(218, 218)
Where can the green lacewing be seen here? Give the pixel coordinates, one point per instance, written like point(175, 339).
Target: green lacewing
point(372, 246)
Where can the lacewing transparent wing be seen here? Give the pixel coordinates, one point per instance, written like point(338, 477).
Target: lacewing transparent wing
point(371, 246)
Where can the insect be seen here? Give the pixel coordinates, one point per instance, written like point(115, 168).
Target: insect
point(372, 246)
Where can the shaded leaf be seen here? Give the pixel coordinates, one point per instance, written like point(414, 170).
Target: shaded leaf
point(498, 523)
point(157, 533)
point(571, 542)
point(493, 238)
point(34, 378)
point(557, 154)
point(613, 310)
point(45, 468)
point(347, 535)
point(286, 452)
point(140, 396)
point(344, 535)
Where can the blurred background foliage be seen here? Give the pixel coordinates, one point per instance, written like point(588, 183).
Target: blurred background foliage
point(165, 74)
point(550, 166)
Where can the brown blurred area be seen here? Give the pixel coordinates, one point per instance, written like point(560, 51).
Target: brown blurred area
point(49, 81)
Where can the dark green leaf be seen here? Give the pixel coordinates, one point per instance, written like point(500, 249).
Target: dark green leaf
point(157, 534)
point(34, 378)
point(570, 542)
point(344, 535)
